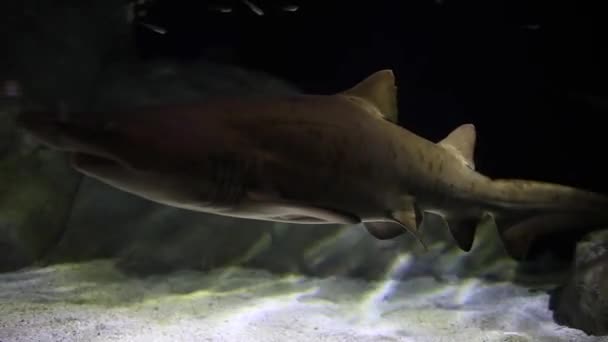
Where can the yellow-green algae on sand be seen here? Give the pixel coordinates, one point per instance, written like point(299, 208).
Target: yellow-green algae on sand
point(95, 302)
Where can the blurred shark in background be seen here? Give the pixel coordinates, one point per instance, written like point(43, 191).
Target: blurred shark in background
point(313, 159)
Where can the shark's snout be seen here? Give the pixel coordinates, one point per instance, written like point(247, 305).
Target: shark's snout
point(92, 145)
point(89, 163)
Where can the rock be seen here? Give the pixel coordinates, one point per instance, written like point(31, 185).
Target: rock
point(37, 188)
point(582, 302)
point(54, 52)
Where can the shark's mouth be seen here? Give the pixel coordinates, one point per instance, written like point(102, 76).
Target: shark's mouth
point(84, 160)
point(100, 167)
point(91, 146)
point(299, 218)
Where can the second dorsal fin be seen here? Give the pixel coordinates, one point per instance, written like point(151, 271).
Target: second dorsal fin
point(461, 142)
point(379, 90)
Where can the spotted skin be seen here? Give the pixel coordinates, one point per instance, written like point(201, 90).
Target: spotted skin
point(311, 159)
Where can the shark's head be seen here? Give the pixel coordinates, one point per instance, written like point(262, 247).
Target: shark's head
point(128, 155)
point(41, 125)
point(157, 186)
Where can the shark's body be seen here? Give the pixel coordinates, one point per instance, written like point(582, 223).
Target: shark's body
point(314, 159)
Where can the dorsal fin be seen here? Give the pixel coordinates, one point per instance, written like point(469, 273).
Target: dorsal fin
point(461, 142)
point(378, 89)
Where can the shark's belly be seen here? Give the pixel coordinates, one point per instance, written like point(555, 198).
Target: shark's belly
point(336, 172)
point(332, 156)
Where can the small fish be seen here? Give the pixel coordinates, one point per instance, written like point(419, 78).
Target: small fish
point(254, 8)
point(222, 9)
point(290, 8)
point(154, 28)
point(130, 12)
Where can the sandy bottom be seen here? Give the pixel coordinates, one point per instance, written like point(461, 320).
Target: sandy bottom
point(95, 302)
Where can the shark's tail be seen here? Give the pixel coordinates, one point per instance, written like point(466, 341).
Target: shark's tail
point(524, 211)
point(537, 209)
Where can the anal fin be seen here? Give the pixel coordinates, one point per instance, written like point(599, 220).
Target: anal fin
point(463, 232)
point(463, 229)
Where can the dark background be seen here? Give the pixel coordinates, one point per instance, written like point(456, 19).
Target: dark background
point(530, 75)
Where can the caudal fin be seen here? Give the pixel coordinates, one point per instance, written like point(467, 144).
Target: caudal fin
point(522, 210)
point(519, 234)
point(519, 231)
point(531, 210)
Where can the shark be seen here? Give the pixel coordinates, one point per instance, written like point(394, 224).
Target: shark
point(339, 158)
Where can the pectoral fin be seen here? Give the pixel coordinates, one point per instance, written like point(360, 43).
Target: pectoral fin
point(267, 206)
point(303, 214)
point(463, 229)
